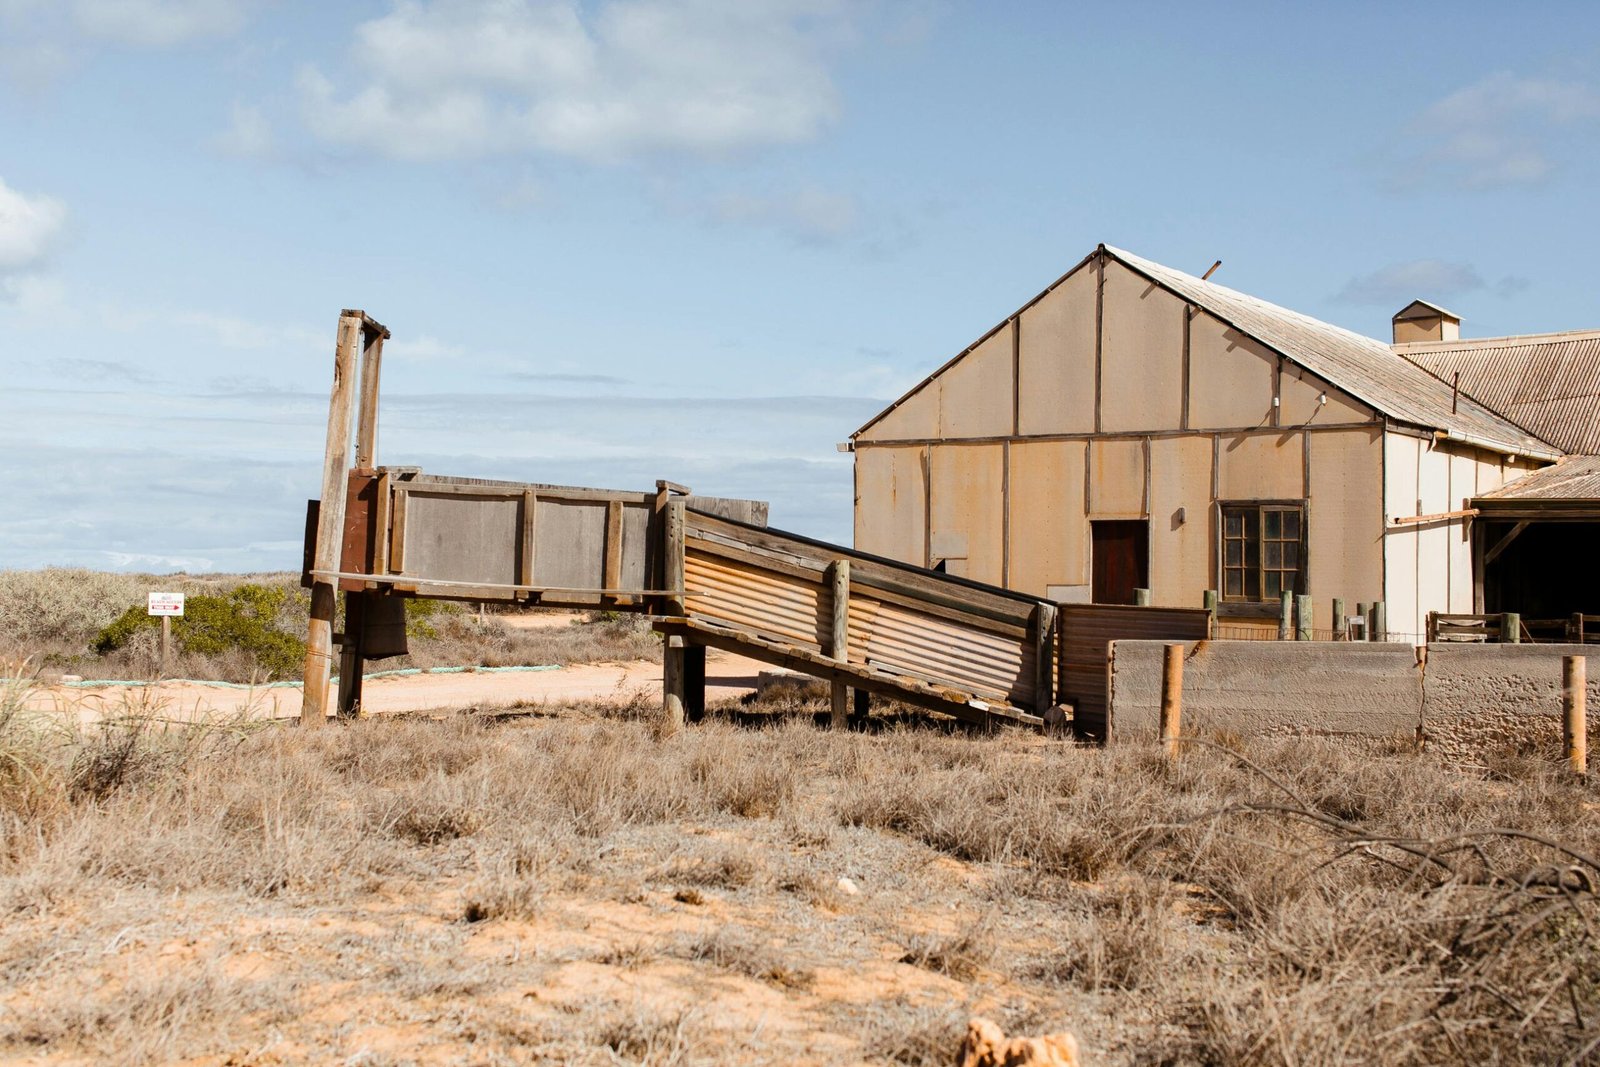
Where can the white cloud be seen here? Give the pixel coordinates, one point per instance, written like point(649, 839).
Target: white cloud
point(1501, 131)
point(474, 78)
point(249, 134)
point(29, 228)
point(158, 23)
point(1400, 283)
point(811, 216)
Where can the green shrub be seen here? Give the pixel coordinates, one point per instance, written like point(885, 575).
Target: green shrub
point(244, 619)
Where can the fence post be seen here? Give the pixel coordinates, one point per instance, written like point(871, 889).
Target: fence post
point(1172, 698)
point(1511, 628)
point(1341, 625)
point(673, 683)
point(1141, 598)
point(1574, 719)
point(1305, 629)
point(1379, 629)
point(839, 643)
point(1209, 601)
point(1285, 615)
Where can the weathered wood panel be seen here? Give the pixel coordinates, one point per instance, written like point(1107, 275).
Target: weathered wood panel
point(1141, 354)
point(1180, 545)
point(1048, 530)
point(1116, 478)
point(1344, 534)
point(1056, 358)
point(1230, 377)
point(891, 515)
point(462, 538)
point(967, 510)
point(1262, 466)
point(975, 392)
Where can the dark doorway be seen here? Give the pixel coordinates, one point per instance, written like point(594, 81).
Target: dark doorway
point(1541, 570)
point(1120, 560)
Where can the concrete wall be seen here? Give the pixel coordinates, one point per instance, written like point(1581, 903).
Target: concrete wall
point(1272, 687)
point(1475, 696)
point(1465, 697)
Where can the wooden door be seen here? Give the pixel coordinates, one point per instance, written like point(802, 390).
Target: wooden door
point(1119, 560)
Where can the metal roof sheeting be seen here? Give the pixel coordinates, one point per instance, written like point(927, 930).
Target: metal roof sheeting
point(1365, 368)
point(1548, 383)
point(1576, 478)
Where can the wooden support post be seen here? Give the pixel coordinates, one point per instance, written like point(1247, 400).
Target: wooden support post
point(372, 337)
point(1141, 598)
point(1285, 615)
point(1304, 629)
point(1341, 625)
point(1044, 657)
point(166, 645)
point(1209, 602)
point(673, 685)
point(1172, 697)
point(694, 681)
point(863, 707)
point(1511, 628)
point(1574, 719)
point(352, 655)
point(672, 659)
point(839, 638)
point(1379, 627)
point(330, 522)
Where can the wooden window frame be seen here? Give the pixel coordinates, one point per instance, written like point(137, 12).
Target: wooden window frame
point(1243, 603)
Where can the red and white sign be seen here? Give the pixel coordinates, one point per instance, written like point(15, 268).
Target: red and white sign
point(166, 604)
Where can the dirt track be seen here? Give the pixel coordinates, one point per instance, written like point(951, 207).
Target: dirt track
point(727, 676)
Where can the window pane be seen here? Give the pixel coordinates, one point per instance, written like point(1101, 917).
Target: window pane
point(1274, 585)
point(1274, 523)
point(1274, 553)
point(1291, 524)
point(1252, 585)
point(1291, 555)
point(1233, 523)
point(1234, 584)
point(1233, 553)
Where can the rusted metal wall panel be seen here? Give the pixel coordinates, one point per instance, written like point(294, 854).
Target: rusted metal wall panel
point(1087, 631)
point(1262, 466)
point(902, 640)
point(1141, 354)
point(1180, 547)
point(975, 392)
point(1230, 377)
point(1344, 529)
point(771, 604)
point(462, 538)
point(902, 621)
point(967, 509)
point(892, 502)
point(1116, 478)
point(1048, 530)
point(1056, 358)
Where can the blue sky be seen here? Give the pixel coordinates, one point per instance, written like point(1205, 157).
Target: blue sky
point(700, 240)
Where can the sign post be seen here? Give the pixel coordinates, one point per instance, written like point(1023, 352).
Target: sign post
point(166, 606)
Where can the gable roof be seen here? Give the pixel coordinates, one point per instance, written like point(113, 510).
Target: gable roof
point(1365, 368)
point(1428, 309)
point(1548, 383)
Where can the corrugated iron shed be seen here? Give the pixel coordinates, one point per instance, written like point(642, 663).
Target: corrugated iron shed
point(1366, 368)
point(1547, 383)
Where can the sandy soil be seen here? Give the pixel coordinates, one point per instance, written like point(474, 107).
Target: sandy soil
point(727, 676)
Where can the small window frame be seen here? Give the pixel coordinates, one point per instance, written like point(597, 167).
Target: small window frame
point(1260, 550)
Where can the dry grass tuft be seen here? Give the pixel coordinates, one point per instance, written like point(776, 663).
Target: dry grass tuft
point(962, 957)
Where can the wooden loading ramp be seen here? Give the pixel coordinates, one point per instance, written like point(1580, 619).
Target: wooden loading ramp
point(707, 570)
